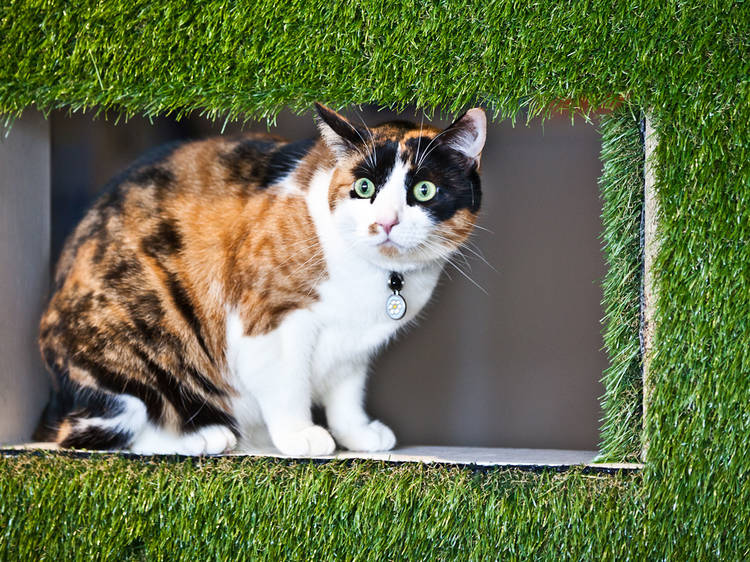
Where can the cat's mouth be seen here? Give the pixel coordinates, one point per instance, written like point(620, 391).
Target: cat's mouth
point(390, 248)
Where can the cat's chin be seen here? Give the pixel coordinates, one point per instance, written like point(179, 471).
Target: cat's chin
point(396, 258)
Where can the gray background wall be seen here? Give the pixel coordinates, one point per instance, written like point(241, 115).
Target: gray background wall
point(24, 258)
point(517, 366)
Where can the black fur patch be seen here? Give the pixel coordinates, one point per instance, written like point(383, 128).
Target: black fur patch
point(246, 162)
point(166, 241)
point(147, 314)
point(455, 176)
point(184, 304)
point(121, 384)
point(284, 159)
point(98, 438)
point(152, 175)
point(121, 272)
point(194, 411)
point(148, 168)
point(378, 166)
point(202, 380)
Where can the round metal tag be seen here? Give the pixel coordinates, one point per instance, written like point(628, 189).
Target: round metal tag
point(395, 306)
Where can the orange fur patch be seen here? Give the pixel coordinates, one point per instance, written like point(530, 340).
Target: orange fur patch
point(458, 228)
point(341, 186)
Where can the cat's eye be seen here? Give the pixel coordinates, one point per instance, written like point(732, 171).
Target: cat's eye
point(364, 188)
point(424, 191)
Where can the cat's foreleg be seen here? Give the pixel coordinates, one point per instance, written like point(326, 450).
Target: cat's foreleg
point(347, 420)
point(277, 371)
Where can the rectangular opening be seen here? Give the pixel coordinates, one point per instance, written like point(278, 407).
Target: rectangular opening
point(514, 364)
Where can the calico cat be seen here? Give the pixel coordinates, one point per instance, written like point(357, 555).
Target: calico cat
point(222, 287)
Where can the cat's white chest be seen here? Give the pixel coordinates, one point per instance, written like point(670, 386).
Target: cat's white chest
point(353, 316)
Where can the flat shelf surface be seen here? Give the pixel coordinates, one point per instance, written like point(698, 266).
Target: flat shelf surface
point(477, 456)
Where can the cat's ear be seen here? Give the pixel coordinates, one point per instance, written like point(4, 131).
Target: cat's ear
point(467, 134)
point(338, 133)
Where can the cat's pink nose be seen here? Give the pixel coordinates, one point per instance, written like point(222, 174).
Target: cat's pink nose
point(388, 224)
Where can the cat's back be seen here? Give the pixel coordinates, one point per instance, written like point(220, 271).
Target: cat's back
point(201, 183)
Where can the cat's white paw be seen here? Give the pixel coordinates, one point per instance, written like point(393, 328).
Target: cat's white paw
point(209, 440)
point(218, 439)
point(312, 441)
point(375, 436)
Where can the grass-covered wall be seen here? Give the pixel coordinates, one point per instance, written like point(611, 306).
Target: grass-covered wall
point(622, 192)
point(686, 63)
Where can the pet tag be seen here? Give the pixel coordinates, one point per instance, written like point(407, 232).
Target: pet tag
point(395, 306)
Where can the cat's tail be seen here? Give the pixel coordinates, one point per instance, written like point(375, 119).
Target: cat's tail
point(125, 425)
point(86, 418)
point(110, 428)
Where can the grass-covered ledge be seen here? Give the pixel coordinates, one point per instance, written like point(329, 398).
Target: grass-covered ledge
point(243, 508)
point(687, 62)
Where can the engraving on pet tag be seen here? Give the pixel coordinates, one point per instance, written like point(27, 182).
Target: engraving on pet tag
point(395, 306)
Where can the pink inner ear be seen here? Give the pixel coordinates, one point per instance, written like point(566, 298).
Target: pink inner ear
point(470, 133)
point(337, 131)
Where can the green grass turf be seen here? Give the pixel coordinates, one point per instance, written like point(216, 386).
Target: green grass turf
point(58, 508)
point(686, 62)
point(621, 187)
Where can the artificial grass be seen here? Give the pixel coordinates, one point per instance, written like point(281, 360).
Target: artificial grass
point(621, 187)
point(114, 508)
point(686, 63)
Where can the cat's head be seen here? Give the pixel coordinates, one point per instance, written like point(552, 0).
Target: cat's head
point(403, 194)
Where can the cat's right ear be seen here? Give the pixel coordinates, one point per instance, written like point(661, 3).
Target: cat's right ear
point(338, 133)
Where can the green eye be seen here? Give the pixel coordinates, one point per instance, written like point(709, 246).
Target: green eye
point(424, 191)
point(364, 188)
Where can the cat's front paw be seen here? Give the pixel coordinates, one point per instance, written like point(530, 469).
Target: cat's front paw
point(312, 441)
point(374, 436)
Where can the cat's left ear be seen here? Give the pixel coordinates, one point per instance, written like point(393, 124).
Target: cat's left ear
point(467, 134)
point(338, 133)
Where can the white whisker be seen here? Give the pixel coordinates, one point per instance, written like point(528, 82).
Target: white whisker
point(419, 139)
point(445, 253)
point(427, 150)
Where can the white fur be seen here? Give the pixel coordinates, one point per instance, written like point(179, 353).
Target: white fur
point(321, 354)
point(208, 440)
point(133, 415)
point(287, 186)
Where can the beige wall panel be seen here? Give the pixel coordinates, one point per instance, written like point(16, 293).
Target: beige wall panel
point(24, 273)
